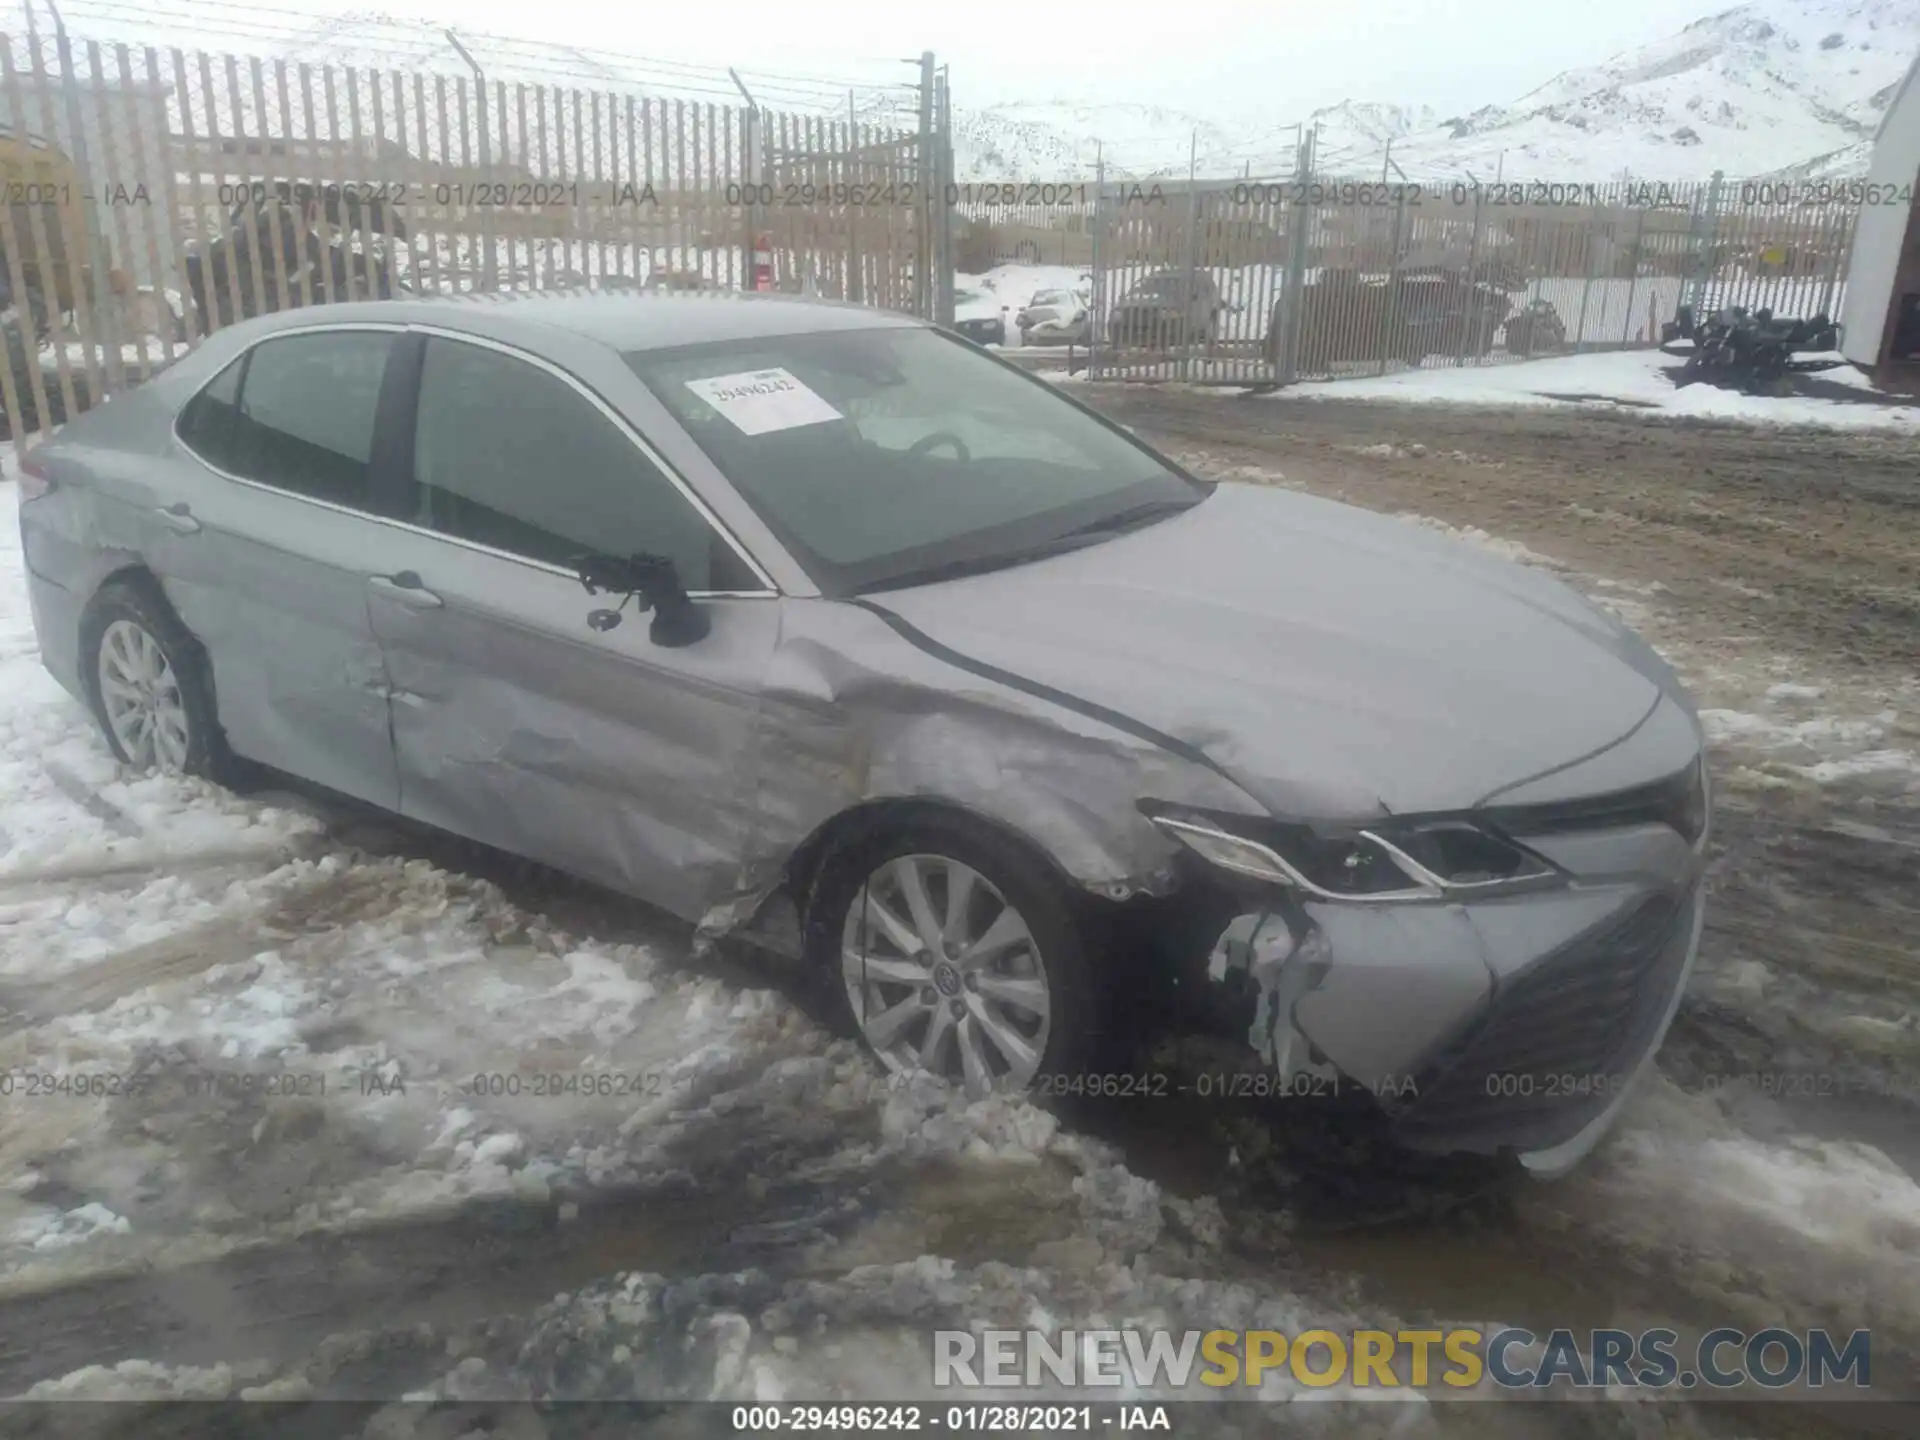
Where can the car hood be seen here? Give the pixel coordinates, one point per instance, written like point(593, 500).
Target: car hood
point(1336, 663)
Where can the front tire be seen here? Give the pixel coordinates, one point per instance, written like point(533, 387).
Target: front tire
point(147, 680)
point(951, 950)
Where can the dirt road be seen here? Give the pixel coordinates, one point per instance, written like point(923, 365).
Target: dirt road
point(1793, 538)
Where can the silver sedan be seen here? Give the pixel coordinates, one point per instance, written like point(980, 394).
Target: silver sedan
point(817, 625)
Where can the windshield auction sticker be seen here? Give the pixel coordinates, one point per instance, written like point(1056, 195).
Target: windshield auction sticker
point(761, 401)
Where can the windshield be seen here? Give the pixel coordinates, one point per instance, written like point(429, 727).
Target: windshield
point(880, 457)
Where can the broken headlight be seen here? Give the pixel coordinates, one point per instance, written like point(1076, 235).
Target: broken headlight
point(1395, 860)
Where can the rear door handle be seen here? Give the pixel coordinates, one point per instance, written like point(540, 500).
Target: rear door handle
point(179, 519)
point(406, 587)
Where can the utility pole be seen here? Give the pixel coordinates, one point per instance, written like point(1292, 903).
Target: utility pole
point(489, 260)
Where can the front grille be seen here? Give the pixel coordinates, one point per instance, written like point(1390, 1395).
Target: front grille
point(1679, 801)
point(1560, 1040)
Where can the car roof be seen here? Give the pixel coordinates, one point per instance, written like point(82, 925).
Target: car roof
point(622, 321)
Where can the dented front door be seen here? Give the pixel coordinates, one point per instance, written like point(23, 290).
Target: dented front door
point(515, 721)
point(599, 753)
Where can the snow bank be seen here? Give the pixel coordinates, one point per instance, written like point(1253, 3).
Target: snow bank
point(1630, 379)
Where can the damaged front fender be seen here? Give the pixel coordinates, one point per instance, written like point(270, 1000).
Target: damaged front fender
point(855, 715)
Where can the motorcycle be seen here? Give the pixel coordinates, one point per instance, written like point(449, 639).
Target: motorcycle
point(1753, 352)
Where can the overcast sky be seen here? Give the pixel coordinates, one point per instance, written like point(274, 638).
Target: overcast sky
point(1222, 59)
point(1217, 55)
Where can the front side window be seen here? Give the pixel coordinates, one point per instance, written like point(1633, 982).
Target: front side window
point(880, 456)
point(297, 414)
point(509, 456)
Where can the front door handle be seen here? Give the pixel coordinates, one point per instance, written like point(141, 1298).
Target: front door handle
point(178, 518)
point(407, 588)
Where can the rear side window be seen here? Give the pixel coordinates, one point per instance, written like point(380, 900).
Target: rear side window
point(208, 424)
point(303, 419)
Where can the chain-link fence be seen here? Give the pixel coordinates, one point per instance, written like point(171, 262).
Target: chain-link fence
point(153, 196)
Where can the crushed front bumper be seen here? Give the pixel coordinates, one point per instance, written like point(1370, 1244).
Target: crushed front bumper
point(1515, 1025)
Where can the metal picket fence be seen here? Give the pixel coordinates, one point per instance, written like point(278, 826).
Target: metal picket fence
point(153, 196)
point(1323, 277)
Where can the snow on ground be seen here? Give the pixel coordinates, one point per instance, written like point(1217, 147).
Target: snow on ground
point(1635, 379)
point(220, 1025)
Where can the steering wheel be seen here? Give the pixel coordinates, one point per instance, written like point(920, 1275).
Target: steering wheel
point(941, 437)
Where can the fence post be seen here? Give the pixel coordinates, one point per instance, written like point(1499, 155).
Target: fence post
point(1192, 249)
point(1097, 302)
point(1293, 295)
point(1390, 309)
point(1839, 249)
point(752, 149)
point(1697, 264)
point(923, 286)
point(941, 200)
point(489, 255)
point(1470, 321)
point(1586, 290)
point(98, 254)
point(1633, 277)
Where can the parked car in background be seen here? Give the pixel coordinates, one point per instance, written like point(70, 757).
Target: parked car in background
point(1442, 313)
point(1053, 317)
point(1348, 316)
point(1168, 308)
point(1536, 330)
point(828, 614)
point(980, 317)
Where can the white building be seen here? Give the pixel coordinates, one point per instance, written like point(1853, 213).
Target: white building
point(1881, 308)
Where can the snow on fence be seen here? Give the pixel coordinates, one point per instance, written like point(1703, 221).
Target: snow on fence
point(155, 196)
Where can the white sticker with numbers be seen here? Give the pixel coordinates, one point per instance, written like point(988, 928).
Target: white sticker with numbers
point(760, 401)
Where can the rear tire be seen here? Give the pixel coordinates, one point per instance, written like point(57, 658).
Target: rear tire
point(149, 684)
point(988, 986)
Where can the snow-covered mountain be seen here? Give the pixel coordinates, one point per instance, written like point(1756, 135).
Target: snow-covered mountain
point(1062, 139)
point(1772, 87)
point(1769, 87)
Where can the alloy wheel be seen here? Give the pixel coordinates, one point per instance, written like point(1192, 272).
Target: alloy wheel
point(141, 696)
point(944, 975)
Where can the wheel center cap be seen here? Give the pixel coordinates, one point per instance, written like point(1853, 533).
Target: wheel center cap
point(946, 979)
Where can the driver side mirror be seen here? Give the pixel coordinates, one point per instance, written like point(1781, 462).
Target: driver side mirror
point(677, 621)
